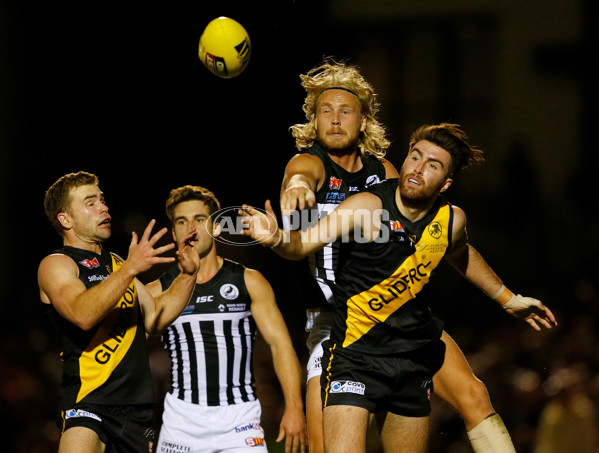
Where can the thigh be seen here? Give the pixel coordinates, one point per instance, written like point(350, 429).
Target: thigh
point(405, 434)
point(456, 383)
point(80, 439)
point(345, 429)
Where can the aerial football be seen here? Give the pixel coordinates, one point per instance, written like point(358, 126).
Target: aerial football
point(225, 47)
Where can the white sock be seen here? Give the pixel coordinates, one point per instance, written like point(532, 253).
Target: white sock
point(491, 436)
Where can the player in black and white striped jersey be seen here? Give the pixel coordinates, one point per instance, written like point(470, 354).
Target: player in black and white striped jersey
point(212, 404)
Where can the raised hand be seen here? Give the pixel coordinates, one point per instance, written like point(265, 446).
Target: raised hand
point(261, 225)
point(188, 256)
point(142, 254)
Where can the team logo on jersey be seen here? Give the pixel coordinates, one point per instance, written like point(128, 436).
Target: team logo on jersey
point(347, 387)
point(372, 180)
point(90, 264)
point(335, 183)
point(229, 291)
point(435, 230)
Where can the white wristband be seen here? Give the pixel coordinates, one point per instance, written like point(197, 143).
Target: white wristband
point(518, 301)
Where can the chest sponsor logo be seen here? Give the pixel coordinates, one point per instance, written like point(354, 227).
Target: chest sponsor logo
point(347, 387)
point(354, 189)
point(335, 183)
point(90, 264)
point(399, 286)
point(204, 299)
point(229, 291)
point(334, 197)
point(96, 278)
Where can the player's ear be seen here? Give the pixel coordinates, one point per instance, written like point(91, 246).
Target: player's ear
point(216, 230)
point(65, 220)
point(448, 182)
point(363, 123)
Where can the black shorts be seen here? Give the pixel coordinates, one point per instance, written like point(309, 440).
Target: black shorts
point(400, 384)
point(121, 428)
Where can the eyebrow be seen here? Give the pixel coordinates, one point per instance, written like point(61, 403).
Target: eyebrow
point(195, 216)
point(430, 159)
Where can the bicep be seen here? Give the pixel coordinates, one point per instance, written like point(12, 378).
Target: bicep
point(59, 284)
point(265, 311)
point(307, 166)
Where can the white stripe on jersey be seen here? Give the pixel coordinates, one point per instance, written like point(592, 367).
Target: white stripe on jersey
point(211, 358)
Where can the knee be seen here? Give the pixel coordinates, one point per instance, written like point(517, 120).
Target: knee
point(473, 401)
point(475, 393)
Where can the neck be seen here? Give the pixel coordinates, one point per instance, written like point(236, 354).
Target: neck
point(209, 266)
point(78, 243)
point(413, 210)
point(349, 160)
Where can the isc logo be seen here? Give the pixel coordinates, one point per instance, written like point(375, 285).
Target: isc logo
point(203, 299)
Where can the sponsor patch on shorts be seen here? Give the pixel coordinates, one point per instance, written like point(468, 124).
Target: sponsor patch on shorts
point(347, 387)
point(74, 413)
point(167, 446)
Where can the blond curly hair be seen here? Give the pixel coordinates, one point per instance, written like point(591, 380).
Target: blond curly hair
point(333, 74)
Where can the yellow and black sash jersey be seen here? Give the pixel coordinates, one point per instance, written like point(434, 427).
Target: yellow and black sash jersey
point(338, 185)
point(107, 364)
point(380, 297)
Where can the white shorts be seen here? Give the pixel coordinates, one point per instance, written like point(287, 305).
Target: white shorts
point(190, 428)
point(319, 327)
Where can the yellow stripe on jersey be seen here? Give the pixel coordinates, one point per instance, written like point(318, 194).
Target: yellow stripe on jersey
point(111, 342)
point(375, 305)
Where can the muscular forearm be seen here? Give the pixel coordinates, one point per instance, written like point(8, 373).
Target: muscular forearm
point(477, 271)
point(94, 304)
point(171, 303)
point(288, 371)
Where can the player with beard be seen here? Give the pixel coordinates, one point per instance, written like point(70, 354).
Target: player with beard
point(385, 344)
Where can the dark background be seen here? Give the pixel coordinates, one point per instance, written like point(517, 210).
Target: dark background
point(118, 90)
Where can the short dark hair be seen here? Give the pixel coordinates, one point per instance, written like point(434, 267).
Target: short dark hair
point(187, 193)
point(452, 138)
point(57, 200)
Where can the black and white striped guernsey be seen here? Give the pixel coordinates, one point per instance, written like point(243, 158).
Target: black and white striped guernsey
point(338, 185)
point(211, 342)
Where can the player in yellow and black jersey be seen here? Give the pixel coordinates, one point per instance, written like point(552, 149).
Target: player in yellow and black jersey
point(385, 343)
point(103, 313)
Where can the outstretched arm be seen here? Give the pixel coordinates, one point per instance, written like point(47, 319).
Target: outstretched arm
point(286, 364)
point(160, 308)
point(360, 212)
point(58, 278)
point(470, 263)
